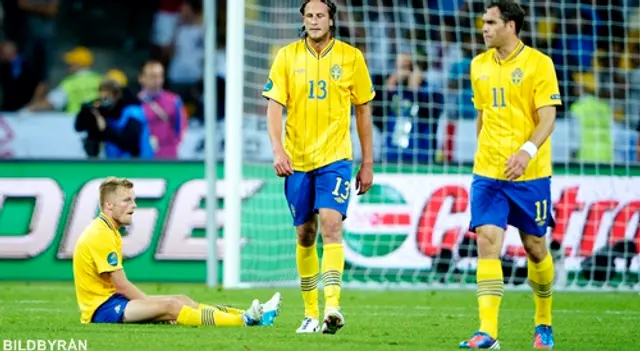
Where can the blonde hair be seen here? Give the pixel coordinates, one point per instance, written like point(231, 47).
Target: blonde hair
point(111, 185)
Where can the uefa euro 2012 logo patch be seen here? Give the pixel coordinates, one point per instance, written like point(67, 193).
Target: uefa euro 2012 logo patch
point(112, 259)
point(516, 76)
point(336, 72)
point(268, 86)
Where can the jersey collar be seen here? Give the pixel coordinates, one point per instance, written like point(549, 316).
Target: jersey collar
point(108, 222)
point(512, 56)
point(324, 52)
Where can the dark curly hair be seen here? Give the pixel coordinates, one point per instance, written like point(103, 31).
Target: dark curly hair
point(510, 11)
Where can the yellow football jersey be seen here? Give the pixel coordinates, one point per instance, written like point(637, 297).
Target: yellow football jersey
point(98, 250)
point(509, 92)
point(318, 91)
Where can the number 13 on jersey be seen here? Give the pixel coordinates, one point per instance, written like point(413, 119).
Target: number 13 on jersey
point(317, 90)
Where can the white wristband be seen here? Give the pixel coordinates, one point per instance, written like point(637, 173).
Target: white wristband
point(530, 148)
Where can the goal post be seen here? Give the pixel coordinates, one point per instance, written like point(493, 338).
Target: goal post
point(233, 149)
point(411, 229)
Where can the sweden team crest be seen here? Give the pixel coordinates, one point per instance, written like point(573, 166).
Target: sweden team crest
point(336, 72)
point(516, 76)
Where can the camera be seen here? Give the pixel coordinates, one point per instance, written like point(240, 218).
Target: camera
point(86, 121)
point(102, 106)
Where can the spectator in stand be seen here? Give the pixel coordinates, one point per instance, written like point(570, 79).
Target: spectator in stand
point(633, 108)
point(413, 111)
point(592, 122)
point(79, 86)
point(116, 119)
point(186, 68)
point(20, 77)
point(124, 125)
point(164, 111)
point(118, 76)
point(163, 30)
point(460, 92)
point(40, 19)
point(13, 23)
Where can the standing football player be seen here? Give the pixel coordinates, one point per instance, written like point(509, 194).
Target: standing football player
point(318, 79)
point(515, 93)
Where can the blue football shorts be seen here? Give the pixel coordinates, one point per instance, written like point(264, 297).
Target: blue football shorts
point(525, 205)
point(111, 311)
point(327, 187)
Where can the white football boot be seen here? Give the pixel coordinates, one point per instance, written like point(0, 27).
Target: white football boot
point(309, 325)
point(333, 321)
point(253, 315)
point(271, 309)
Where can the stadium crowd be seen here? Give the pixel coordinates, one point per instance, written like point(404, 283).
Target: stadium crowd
point(595, 46)
point(419, 64)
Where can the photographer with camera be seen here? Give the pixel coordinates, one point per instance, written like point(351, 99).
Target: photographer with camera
point(116, 119)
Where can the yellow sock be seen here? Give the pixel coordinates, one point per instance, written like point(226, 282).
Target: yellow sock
point(221, 308)
point(225, 319)
point(541, 281)
point(309, 271)
point(490, 291)
point(332, 268)
point(190, 316)
point(208, 316)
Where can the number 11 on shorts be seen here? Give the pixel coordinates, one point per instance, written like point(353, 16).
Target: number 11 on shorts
point(541, 210)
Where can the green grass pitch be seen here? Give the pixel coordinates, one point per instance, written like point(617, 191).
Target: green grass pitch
point(375, 320)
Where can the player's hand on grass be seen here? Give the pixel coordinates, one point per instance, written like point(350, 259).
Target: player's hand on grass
point(364, 178)
point(517, 164)
point(282, 163)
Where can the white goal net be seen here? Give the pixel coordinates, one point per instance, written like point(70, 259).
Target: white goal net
point(411, 229)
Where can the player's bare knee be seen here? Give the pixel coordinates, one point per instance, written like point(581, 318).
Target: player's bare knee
point(535, 247)
point(306, 239)
point(487, 247)
point(307, 233)
point(171, 307)
point(186, 300)
point(489, 243)
point(331, 230)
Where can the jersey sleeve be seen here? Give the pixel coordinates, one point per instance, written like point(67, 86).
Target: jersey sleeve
point(362, 90)
point(546, 91)
point(106, 255)
point(277, 84)
point(476, 96)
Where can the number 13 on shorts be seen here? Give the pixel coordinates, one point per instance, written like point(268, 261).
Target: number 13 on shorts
point(341, 190)
point(328, 187)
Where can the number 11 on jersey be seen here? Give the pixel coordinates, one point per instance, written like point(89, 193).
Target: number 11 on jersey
point(498, 97)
